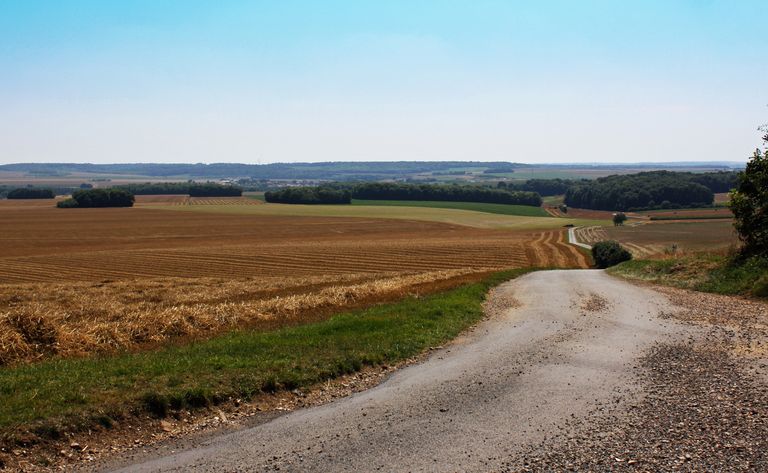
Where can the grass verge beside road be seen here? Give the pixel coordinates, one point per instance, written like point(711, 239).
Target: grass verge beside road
point(70, 394)
point(702, 272)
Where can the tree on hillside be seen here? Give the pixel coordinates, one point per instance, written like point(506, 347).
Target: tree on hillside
point(749, 202)
point(619, 218)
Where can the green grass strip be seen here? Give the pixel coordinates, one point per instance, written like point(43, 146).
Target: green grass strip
point(503, 209)
point(238, 364)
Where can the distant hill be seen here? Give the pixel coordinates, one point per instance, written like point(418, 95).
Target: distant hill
point(341, 170)
point(328, 170)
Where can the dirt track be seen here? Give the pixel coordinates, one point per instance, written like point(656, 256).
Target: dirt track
point(569, 350)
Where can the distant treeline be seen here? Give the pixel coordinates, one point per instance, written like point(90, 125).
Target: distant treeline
point(30, 193)
point(715, 181)
point(442, 193)
point(208, 189)
point(321, 170)
point(98, 198)
point(544, 187)
point(308, 195)
point(649, 190)
point(341, 193)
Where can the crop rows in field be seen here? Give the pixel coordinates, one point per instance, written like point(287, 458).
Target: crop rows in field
point(297, 259)
point(181, 200)
point(592, 235)
point(654, 238)
point(290, 260)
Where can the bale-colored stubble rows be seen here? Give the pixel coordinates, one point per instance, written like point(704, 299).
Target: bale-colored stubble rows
point(85, 319)
point(83, 281)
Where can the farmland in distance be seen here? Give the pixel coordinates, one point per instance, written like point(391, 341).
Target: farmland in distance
point(652, 239)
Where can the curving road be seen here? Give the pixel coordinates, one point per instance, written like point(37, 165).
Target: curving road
point(567, 348)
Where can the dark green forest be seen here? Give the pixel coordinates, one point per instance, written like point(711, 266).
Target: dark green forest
point(308, 195)
point(445, 193)
point(397, 191)
point(88, 198)
point(543, 187)
point(649, 190)
point(30, 193)
point(208, 189)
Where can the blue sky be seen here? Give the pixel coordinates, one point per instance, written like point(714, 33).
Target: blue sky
point(290, 80)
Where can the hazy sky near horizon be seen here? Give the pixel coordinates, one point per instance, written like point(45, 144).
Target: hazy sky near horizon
point(303, 80)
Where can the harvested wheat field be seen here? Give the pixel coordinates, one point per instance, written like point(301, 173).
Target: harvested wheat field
point(83, 281)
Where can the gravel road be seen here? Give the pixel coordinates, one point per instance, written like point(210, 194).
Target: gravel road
point(559, 347)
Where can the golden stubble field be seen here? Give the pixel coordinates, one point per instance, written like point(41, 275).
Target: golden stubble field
point(80, 281)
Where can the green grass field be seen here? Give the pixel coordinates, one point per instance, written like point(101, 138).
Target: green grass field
point(241, 364)
point(468, 218)
point(502, 209)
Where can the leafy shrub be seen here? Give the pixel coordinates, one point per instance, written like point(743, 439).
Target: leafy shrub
point(609, 253)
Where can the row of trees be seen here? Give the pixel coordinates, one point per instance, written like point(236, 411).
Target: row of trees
point(309, 195)
point(342, 193)
point(30, 193)
point(440, 192)
point(646, 190)
point(544, 187)
point(207, 189)
point(87, 198)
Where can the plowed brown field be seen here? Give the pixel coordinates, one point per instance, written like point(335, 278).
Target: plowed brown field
point(47, 244)
point(78, 281)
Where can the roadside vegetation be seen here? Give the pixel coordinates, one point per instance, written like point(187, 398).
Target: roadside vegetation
point(64, 393)
point(707, 272)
